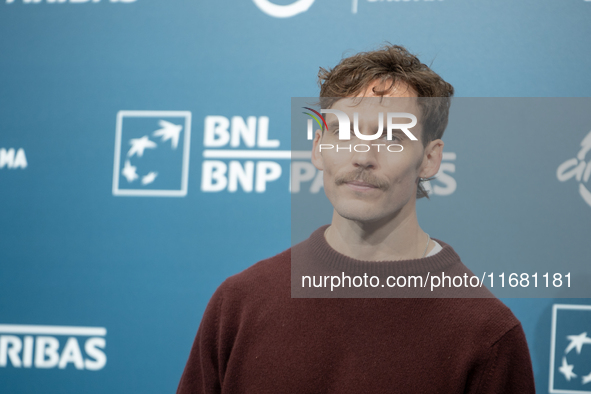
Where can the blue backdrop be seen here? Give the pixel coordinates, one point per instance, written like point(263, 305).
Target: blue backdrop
point(111, 244)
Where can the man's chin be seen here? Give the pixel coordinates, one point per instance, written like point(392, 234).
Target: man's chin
point(360, 215)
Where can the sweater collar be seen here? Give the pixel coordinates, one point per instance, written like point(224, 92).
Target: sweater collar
point(322, 251)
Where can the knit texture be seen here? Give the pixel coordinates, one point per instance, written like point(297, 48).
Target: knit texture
point(255, 338)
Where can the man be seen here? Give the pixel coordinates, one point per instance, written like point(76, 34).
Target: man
point(256, 338)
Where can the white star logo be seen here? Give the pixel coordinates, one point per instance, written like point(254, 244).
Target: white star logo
point(169, 131)
point(587, 378)
point(567, 370)
point(138, 145)
point(147, 179)
point(577, 341)
point(129, 172)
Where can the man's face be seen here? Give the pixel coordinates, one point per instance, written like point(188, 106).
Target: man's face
point(378, 184)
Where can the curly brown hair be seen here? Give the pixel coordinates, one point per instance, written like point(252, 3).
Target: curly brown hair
point(391, 64)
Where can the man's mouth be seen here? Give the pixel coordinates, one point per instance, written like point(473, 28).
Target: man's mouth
point(361, 181)
point(360, 185)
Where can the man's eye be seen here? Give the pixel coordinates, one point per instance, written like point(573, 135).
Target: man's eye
point(395, 138)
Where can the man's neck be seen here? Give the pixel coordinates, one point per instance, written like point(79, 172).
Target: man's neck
point(399, 238)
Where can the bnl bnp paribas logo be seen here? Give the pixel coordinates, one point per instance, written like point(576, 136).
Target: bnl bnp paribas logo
point(240, 154)
point(47, 347)
point(579, 169)
point(570, 351)
point(152, 153)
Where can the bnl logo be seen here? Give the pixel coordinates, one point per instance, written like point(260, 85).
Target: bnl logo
point(570, 351)
point(152, 153)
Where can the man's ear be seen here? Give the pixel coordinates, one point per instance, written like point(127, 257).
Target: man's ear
point(316, 155)
point(432, 159)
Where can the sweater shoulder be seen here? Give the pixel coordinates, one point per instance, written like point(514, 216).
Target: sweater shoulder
point(490, 317)
point(487, 320)
point(268, 274)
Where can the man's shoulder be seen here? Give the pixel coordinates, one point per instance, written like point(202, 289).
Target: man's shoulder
point(479, 312)
point(266, 275)
point(480, 318)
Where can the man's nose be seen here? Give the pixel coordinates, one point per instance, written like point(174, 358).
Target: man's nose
point(364, 157)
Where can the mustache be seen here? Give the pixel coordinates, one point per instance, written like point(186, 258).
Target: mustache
point(362, 175)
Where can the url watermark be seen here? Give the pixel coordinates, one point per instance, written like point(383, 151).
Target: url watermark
point(433, 282)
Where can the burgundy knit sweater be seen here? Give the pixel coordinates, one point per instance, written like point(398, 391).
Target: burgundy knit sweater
point(255, 338)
